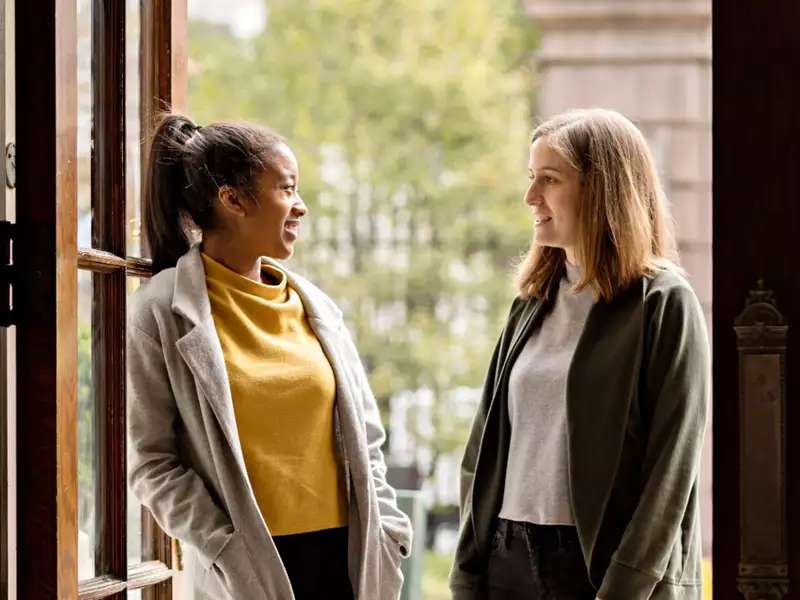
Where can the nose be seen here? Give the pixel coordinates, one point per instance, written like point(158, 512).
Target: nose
point(533, 196)
point(299, 208)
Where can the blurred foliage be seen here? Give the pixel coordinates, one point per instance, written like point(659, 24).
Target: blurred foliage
point(410, 121)
point(434, 578)
point(86, 475)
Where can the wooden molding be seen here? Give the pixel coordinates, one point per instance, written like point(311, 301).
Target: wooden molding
point(142, 575)
point(108, 295)
point(46, 118)
point(100, 261)
point(762, 334)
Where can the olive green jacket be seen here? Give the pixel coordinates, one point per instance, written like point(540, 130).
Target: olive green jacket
point(637, 391)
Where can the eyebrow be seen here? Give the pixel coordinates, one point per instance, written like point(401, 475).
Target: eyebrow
point(546, 169)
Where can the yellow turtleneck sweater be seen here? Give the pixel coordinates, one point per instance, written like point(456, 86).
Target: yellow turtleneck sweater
point(283, 391)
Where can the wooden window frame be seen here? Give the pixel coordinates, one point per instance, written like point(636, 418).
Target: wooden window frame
point(46, 256)
point(46, 94)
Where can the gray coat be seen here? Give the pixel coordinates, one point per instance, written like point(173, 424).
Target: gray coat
point(185, 460)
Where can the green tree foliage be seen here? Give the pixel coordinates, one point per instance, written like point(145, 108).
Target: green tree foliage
point(86, 475)
point(410, 121)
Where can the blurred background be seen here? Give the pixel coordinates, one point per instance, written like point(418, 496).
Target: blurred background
point(411, 120)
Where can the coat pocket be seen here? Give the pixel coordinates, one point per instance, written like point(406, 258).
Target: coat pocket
point(232, 573)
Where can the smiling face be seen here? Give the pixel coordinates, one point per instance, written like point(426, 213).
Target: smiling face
point(553, 195)
point(271, 224)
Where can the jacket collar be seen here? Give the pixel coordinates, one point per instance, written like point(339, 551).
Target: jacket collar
point(315, 302)
point(534, 309)
point(190, 295)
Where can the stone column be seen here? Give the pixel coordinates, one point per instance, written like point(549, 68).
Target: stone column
point(650, 60)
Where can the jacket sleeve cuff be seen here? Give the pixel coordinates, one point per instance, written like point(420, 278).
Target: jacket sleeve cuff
point(623, 583)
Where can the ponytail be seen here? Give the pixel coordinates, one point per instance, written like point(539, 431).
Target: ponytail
point(164, 186)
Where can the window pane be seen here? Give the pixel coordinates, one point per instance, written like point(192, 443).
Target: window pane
point(84, 24)
point(132, 130)
point(87, 482)
point(134, 520)
point(134, 530)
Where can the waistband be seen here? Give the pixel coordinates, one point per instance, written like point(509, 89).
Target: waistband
point(545, 536)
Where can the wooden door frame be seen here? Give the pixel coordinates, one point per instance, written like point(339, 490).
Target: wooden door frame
point(756, 221)
point(48, 260)
point(46, 102)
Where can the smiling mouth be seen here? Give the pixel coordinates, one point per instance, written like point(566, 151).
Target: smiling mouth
point(542, 220)
point(292, 227)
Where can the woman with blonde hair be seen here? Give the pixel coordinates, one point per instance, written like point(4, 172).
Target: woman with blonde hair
point(580, 475)
point(254, 437)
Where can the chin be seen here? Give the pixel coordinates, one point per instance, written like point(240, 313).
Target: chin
point(279, 253)
point(548, 244)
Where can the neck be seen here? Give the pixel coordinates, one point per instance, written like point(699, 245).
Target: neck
point(226, 251)
point(571, 257)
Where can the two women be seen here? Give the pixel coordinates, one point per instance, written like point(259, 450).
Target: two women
point(254, 437)
point(579, 479)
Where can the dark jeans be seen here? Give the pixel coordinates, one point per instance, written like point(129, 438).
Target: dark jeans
point(316, 563)
point(537, 562)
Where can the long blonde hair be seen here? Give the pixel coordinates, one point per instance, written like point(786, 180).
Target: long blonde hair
point(624, 228)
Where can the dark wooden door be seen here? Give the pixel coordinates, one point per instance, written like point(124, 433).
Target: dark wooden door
point(756, 79)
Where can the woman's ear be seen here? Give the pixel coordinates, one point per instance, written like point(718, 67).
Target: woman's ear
point(230, 201)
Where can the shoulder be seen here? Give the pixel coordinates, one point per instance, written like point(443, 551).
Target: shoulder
point(668, 296)
point(668, 282)
point(152, 299)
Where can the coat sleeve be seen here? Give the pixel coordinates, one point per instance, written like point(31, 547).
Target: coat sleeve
point(467, 573)
point(675, 386)
point(175, 495)
point(467, 576)
point(393, 521)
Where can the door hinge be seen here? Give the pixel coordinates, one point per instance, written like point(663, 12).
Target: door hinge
point(8, 273)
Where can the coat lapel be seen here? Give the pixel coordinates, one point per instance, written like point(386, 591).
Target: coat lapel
point(600, 389)
point(531, 315)
point(325, 320)
point(201, 350)
point(200, 347)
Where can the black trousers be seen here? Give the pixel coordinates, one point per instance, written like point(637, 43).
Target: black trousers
point(316, 563)
point(537, 562)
